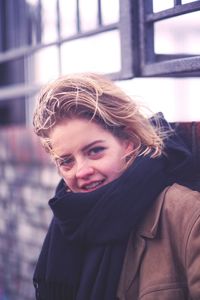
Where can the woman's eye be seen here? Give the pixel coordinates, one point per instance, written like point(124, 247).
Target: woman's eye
point(65, 162)
point(96, 150)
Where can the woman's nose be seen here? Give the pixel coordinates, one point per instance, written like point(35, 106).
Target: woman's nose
point(84, 170)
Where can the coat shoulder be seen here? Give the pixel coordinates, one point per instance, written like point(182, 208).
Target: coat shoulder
point(180, 200)
point(180, 211)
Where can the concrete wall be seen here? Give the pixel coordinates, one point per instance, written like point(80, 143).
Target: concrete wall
point(27, 180)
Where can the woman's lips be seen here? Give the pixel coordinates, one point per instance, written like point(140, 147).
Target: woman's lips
point(92, 185)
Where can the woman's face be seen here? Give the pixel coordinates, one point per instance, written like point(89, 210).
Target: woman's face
point(88, 155)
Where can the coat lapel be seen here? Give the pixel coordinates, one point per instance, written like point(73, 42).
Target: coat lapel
point(130, 265)
point(136, 247)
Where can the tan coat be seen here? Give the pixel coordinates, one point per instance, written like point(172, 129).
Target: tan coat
point(163, 258)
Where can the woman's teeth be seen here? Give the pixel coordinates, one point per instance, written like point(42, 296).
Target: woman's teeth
point(93, 185)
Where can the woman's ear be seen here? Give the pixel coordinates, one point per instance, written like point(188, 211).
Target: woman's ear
point(129, 146)
point(128, 150)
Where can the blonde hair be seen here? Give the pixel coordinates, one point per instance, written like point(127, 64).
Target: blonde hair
point(96, 98)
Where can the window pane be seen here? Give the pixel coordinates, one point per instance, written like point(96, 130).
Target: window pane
point(20, 23)
point(159, 5)
point(49, 21)
point(12, 72)
point(110, 11)
point(178, 35)
point(5, 117)
point(68, 17)
point(32, 2)
point(12, 111)
point(33, 22)
point(188, 1)
point(88, 14)
point(43, 65)
point(100, 53)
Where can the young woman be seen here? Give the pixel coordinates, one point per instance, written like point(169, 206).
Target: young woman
point(122, 228)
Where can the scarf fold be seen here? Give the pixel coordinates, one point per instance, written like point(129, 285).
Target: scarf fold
point(84, 248)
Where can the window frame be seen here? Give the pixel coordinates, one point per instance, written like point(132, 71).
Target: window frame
point(164, 65)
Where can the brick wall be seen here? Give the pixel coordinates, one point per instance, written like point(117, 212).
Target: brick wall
point(27, 180)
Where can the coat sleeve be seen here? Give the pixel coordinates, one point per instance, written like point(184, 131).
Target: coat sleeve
point(192, 256)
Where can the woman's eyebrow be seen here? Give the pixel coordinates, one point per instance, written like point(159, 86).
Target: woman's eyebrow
point(91, 144)
point(65, 156)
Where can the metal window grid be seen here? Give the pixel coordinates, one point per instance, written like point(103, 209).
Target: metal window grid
point(25, 50)
point(150, 63)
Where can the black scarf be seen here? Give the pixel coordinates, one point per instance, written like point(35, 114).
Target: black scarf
point(83, 252)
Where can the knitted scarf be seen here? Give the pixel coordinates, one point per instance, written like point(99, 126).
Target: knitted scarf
point(82, 255)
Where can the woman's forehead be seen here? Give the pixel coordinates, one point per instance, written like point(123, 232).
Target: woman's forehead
point(70, 135)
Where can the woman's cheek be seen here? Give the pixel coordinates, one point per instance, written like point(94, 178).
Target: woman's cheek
point(62, 174)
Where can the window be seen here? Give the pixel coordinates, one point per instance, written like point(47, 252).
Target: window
point(168, 36)
point(41, 39)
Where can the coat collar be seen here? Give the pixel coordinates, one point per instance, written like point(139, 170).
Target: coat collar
point(148, 228)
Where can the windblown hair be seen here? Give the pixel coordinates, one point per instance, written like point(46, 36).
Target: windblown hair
point(96, 98)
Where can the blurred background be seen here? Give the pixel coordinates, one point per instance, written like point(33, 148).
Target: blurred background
point(151, 48)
